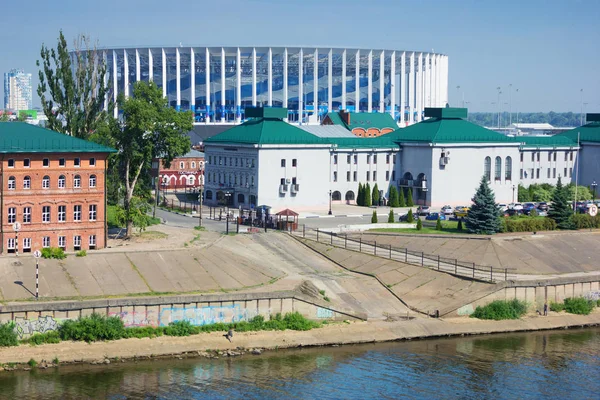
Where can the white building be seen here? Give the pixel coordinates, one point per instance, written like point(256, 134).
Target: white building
point(17, 90)
point(441, 160)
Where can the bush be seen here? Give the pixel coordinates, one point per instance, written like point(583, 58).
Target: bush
point(391, 217)
point(410, 218)
point(459, 227)
point(181, 328)
point(93, 328)
point(374, 217)
point(53, 252)
point(419, 224)
point(32, 363)
point(501, 309)
point(578, 305)
point(558, 307)
point(140, 332)
point(81, 253)
point(43, 338)
point(585, 221)
point(438, 225)
point(529, 224)
point(8, 336)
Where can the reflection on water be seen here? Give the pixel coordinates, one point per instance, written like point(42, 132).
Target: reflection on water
point(560, 365)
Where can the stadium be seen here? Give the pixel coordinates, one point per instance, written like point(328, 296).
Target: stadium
point(218, 83)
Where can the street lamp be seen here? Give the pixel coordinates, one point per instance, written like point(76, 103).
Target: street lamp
point(594, 184)
point(514, 187)
point(499, 93)
point(329, 213)
point(17, 227)
point(200, 190)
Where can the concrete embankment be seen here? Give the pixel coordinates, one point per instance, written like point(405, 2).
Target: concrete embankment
point(334, 334)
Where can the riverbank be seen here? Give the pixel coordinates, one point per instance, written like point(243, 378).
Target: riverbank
point(333, 334)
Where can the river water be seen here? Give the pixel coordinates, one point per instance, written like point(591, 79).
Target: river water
point(557, 364)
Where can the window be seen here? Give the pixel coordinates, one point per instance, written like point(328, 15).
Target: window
point(77, 242)
point(538, 156)
point(533, 156)
point(571, 172)
point(387, 175)
point(12, 183)
point(208, 195)
point(393, 175)
point(252, 163)
point(283, 163)
point(26, 164)
point(374, 158)
point(62, 181)
point(565, 173)
point(61, 162)
point(46, 182)
point(46, 242)
point(498, 169)
point(387, 158)
point(62, 213)
point(356, 159)
point(521, 157)
point(46, 162)
point(487, 168)
point(12, 243)
point(368, 159)
point(181, 165)
point(348, 176)
point(77, 213)
point(62, 242)
point(77, 181)
point(26, 244)
point(348, 158)
point(532, 173)
point(193, 164)
point(27, 182)
point(295, 162)
point(368, 176)
point(548, 173)
point(92, 162)
point(521, 173)
point(93, 181)
point(566, 155)
point(26, 215)
point(76, 162)
point(554, 172)
point(92, 242)
point(12, 215)
point(508, 169)
point(354, 177)
point(549, 157)
point(294, 181)
point(335, 176)
point(571, 156)
point(555, 156)
point(335, 159)
point(394, 158)
point(220, 160)
point(46, 214)
point(11, 163)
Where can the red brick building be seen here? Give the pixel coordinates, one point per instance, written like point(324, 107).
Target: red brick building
point(184, 174)
point(53, 186)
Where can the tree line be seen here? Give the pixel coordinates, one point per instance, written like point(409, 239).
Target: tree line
point(490, 119)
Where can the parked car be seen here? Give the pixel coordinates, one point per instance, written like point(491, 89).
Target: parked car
point(434, 217)
point(502, 207)
point(447, 210)
point(527, 207)
point(542, 213)
point(461, 211)
point(543, 206)
point(423, 210)
point(515, 206)
point(511, 211)
point(403, 218)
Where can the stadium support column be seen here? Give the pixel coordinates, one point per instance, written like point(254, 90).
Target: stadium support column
point(126, 73)
point(150, 66)
point(105, 80)
point(426, 95)
point(357, 83)
point(178, 79)
point(433, 81)
point(403, 88)
point(253, 77)
point(393, 84)
point(445, 79)
point(419, 92)
point(115, 84)
point(137, 65)
point(223, 85)
point(370, 82)
point(164, 73)
point(207, 75)
point(300, 86)
point(411, 89)
point(330, 81)
point(343, 80)
point(316, 83)
point(270, 78)
point(193, 81)
point(285, 80)
point(438, 72)
point(238, 86)
point(382, 82)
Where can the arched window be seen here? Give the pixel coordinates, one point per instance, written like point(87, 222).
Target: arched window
point(77, 181)
point(193, 166)
point(508, 168)
point(191, 180)
point(336, 196)
point(12, 183)
point(62, 182)
point(487, 169)
point(498, 169)
point(92, 181)
point(349, 195)
point(253, 199)
point(208, 195)
point(27, 182)
point(241, 198)
point(46, 182)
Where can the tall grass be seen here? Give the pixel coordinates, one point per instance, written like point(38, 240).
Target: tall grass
point(501, 309)
point(8, 336)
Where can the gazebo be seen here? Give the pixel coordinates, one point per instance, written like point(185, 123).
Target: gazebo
point(284, 222)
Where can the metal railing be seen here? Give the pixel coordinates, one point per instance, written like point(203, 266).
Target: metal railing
point(436, 262)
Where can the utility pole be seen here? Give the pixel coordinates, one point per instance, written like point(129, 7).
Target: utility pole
point(499, 93)
point(581, 114)
point(510, 104)
point(200, 189)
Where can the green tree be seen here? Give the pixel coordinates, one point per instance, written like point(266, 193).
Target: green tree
point(149, 129)
point(523, 194)
point(402, 200)
point(410, 218)
point(4, 117)
point(375, 195)
point(419, 224)
point(438, 225)
point(393, 200)
point(73, 93)
point(391, 216)
point(560, 211)
point(583, 193)
point(367, 195)
point(482, 217)
point(374, 217)
point(409, 198)
point(360, 196)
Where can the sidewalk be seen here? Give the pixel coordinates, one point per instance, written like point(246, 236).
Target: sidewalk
point(350, 211)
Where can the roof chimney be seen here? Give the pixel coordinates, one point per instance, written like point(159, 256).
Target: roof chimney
point(345, 116)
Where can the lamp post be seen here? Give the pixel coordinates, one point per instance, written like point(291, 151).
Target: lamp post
point(227, 196)
point(581, 115)
point(594, 185)
point(17, 227)
point(510, 104)
point(200, 190)
point(499, 93)
point(329, 213)
point(514, 187)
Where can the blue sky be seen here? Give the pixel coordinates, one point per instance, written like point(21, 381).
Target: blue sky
point(547, 49)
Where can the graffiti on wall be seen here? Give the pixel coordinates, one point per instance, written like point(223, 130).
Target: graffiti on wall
point(136, 318)
point(592, 295)
point(27, 327)
point(324, 313)
point(205, 315)
point(465, 310)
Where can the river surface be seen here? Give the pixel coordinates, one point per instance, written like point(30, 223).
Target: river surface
point(557, 364)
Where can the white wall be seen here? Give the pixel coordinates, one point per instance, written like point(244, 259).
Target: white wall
point(543, 165)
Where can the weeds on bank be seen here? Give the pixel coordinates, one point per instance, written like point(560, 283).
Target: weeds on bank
point(575, 305)
point(99, 328)
point(501, 309)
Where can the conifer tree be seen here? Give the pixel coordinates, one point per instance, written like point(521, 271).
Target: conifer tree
point(402, 200)
point(375, 195)
point(374, 217)
point(560, 211)
point(459, 227)
point(391, 216)
point(409, 198)
point(483, 216)
point(438, 225)
point(359, 196)
point(393, 201)
point(419, 224)
point(410, 218)
point(367, 195)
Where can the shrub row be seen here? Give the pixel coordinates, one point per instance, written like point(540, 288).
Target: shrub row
point(97, 328)
point(501, 309)
point(527, 224)
point(575, 305)
point(53, 252)
point(585, 221)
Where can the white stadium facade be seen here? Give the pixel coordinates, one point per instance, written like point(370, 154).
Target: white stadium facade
point(219, 83)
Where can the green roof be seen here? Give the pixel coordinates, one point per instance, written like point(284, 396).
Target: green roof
point(21, 137)
point(587, 133)
point(364, 120)
point(546, 141)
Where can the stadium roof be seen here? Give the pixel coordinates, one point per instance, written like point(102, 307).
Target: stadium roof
point(21, 137)
point(363, 120)
point(328, 131)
